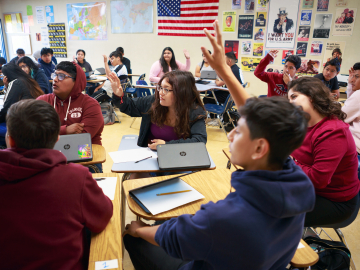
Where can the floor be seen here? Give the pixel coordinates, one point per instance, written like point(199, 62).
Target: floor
point(216, 142)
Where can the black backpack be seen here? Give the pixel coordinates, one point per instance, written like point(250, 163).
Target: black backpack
point(235, 116)
point(333, 255)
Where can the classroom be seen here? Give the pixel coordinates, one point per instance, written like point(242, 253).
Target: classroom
point(266, 49)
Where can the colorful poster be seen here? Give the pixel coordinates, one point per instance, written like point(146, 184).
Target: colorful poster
point(322, 25)
point(236, 4)
point(303, 34)
point(309, 67)
point(246, 47)
point(258, 49)
point(322, 5)
point(282, 21)
point(308, 4)
point(341, 3)
point(344, 21)
point(301, 49)
point(249, 6)
point(229, 21)
point(26, 25)
point(334, 50)
point(40, 14)
point(305, 18)
point(260, 19)
point(49, 14)
point(29, 10)
point(246, 23)
point(57, 39)
point(249, 63)
point(285, 55)
point(266, 52)
point(259, 34)
point(14, 23)
point(232, 46)
point(262, 5)
point(316, 47)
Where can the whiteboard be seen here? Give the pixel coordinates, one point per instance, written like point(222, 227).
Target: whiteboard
point(18, 40)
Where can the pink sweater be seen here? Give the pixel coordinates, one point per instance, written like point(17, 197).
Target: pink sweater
point(156, 71)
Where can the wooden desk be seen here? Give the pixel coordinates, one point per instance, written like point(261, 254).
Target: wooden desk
point(304, 257)
point(108, 244)
point(145, 86)
point(99, 155)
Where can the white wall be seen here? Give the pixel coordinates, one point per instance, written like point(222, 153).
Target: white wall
point(144, 49)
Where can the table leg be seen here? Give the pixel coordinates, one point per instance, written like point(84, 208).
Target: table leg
point(212, 91)
point(125, 177)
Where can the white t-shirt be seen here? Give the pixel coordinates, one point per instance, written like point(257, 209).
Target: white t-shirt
point(209, 68)
point(107, 85)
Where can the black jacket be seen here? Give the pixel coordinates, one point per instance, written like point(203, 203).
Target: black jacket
point(138, 107)
point(85, 66)
point(43, 81)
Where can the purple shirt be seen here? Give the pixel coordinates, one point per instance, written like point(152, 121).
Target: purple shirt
point(165, 133)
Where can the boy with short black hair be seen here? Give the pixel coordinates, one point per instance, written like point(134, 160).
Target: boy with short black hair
point(328, 76)
point(277, 83)
point(46, 204)
point(45, 61)
point(19, 53)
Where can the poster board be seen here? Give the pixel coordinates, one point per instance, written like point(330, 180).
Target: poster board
point(13, 23)
point(18, 40)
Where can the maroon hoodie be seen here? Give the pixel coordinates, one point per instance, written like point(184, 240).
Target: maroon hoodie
point(44, 206)
point(82, 109)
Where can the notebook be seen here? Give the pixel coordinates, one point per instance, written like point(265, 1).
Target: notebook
point(183, 156)
point(75, 147)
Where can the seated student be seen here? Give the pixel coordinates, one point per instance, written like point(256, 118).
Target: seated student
point(20, 53)
point(167, 63)
point(47, 204)
point(204, 65)
point(125, 61)
point(78, 113)
point(46, 62)
point(328, 154)
point(214, 237)
point(278, 83)
point(328, 77)
point(2, 62)
point(104, 91)
point(80, 58)
point(28, 66)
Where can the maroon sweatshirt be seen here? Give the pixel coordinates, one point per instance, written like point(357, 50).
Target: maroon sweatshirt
point(45, 205)
point(276, 84)
point(328, 156)
point(83, 109)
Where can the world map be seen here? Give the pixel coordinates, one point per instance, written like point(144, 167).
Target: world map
point(133, 16)
point(87, 21)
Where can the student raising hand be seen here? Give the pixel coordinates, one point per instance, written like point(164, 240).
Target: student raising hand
point(186, 53)
point(115, 84)
point(273, 53)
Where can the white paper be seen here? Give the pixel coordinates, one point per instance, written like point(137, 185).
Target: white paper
point(40, 14)
point(132, 155)
point(130, 138)
point(106, 264)
point(108, 185)
point(300, 245)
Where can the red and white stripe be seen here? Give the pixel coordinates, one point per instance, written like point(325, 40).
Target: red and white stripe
point(195, 16)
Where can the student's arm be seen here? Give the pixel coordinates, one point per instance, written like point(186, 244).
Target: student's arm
point(197, 71)
point(107, 68)
point(219, 82)
point(260, 69)
point(352, 108)
point(217, 62)
point(143, 230)
point(154, 72)
point(14, 92)
point(349, 90)
point(185, 67)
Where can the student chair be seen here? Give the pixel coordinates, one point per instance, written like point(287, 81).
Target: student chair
point(141, 92)
point(130, 77)
point(142, 77)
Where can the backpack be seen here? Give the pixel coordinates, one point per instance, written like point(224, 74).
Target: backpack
point(235, 116)
point(333, 255)
point(108, 113)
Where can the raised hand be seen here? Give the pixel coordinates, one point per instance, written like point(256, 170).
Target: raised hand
point(115, 84)
point(105, 58)
point(351, 73)
point(273, 53)
point(186, 53)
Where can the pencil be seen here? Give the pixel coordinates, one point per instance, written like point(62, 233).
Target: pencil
point(175, 192)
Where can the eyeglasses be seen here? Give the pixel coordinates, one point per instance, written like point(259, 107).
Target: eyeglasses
point(61, 76)
point(23, 66)
point(165, 91)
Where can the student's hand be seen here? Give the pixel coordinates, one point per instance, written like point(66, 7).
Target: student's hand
point(75, 128)
point(154, 143)
point(131, 228)
point(105, 58)
point(186, 53)
point(5, 81)
point(74, 59)
point(99, 87)
point(287, 78)
point(351, 73)
point(273, 53)
point(115, 84)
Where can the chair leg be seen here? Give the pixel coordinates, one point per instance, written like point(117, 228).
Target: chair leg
point(221, 125)
point(117, 117)
point(132, 122)
point(342, 239)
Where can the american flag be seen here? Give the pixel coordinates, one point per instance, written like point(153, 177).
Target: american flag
point(186, 17)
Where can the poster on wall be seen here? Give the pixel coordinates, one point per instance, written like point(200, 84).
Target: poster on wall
point(308, 4)
point(322, 5)
point(275, 68)
point(305, 18)
point(334, 50)
point(229, 21)
point(236, 4)
point(57, 39)
point(262, 5)
point(44, 37)
point(285, 55)
point(322, 25)
point(344, 21)
point(316, 47)
point(40, 14)
point(301, 49)
point(304, 33)
point(258, 49)
point(309, 67)
point(341, 3)
point(249, 6)
point(260, 19)
point(246, 47)
point(246, 23)
point(259, 34)
point(49, 14)
point(249, 63)
point(282, 21)
point(232, 46)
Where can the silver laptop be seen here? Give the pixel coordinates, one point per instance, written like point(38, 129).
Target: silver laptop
point(208, 74)
point(75, 147)
point(183, 156)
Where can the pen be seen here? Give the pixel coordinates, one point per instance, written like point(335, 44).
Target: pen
point(99, 179)
point(143, 159)
point(175, 192)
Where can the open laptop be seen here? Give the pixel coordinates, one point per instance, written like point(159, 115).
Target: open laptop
point(88, 74)
point(208, 75)
point(101, 71)
point(75, 147)
point(183, 156)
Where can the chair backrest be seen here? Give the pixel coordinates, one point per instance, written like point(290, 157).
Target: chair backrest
point(229, 103)
point(142, 77)
point(142, 92)
point(125, 84)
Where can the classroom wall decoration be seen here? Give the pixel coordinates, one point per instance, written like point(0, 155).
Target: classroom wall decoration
point(275, 69)
point(341, 3)
point(229, 21)
point(259, 33)
point(232, 46)
point(330, 46)
point(249, 63)
point(245, 26)
point(304, 33)
point(305, 18)
point(322, 5)
point(236, 4)
point(87, 21)
point(344, 21)
point(262, 5)
point(260, 19)
point(13, 23)
point(49, 10)
point(282, 21)
point(309, 67)
point(246, 47)
point(134, 16)
point(285, 55)
point(308, 3)
point(316, 47)
point(249, 6)
point(258, 49)
point(301, 49)
point(40, 14)
point(322, 25)
point(57, 39)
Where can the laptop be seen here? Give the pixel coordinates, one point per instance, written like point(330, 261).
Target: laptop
point(183, 156)
point(88, 74)
point(101, 71)
point(208, 74)
point(75, 147)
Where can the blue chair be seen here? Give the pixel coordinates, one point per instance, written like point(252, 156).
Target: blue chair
point(142, 77)
point(141, 92)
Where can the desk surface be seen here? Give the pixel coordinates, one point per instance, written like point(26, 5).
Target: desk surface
point(99, 155)
point(207, 87)
point(214, 185)
point(129, 142)
point(145, 86)
point(304, 257)
point(107, 245)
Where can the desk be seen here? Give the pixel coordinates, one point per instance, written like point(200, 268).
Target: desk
point(99, 155)
point(210, 87)
point(145, 86)
point(108, 245)
point(304, 257)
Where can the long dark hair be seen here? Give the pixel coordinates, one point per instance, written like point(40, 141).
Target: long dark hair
point(320, 96)
point(13, 72)
point(163, 63)
point(186, 98)
point(203, 62)
point(30, 63)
